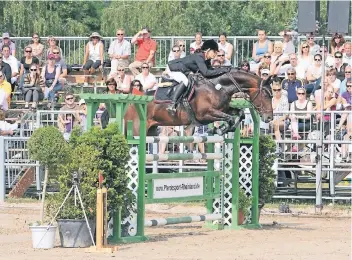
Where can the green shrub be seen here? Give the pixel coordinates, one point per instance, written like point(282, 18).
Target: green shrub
point(244, 202)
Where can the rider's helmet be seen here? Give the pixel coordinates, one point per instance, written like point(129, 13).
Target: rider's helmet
point(210, 44)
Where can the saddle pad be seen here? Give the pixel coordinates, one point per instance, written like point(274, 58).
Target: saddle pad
point(163, 95)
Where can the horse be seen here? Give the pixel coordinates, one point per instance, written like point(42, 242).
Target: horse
point(209, 103)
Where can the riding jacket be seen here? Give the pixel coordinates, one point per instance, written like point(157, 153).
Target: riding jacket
point(196, 63)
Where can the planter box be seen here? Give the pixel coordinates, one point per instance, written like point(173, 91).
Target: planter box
point(75, 233)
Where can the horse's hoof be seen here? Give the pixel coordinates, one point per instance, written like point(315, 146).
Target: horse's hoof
point(219, 131)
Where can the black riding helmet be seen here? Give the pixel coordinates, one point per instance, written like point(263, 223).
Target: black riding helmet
point(210, 44)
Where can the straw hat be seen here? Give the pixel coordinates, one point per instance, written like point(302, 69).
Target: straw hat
point(95, 34)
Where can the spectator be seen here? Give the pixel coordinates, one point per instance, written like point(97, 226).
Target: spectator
point(173, 55)
point(136, 88)
point(345, 102)
point(197, 44)
point(313, 47)
point(265, 63)
point(5, 68)
point(52, 45)
point(119, 51)
point(145, 52)
point(335, 82)
point(300, 122)
point(304, 58)
point(326, 84)
point(278, 53)
point(31, 87)
point(5, 127)
point(94, 55)
point(339, 66)
point(245, 66)
point(347, 53)
point(50, 76)
point(315, 71)
point(261, 47)
point(330, 102)
point(147, 79)
point(176, 53)
point(282, 68)
point(291, 84)
point(6, 41)
point(227, 47)
point(264, 73)
point(5, 92)
point(13, 62)
point(347, 76)
point(122, 79)
point(329, 60)
point(221, 58)
point(215, 63)
point(345, 148)
point(336, 43)
point(83, 114)
point(288, 46)
point(26, 63)
point(279, 104)
point(111, 86)
point(37, 47)
point(167, 131)
point(67, 121)
point(60, 62)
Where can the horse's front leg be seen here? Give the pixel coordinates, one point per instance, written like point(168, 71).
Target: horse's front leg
point(237, 120)
point(217, 115)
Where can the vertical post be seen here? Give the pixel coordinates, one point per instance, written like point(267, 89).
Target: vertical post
point(90, 114)
point(99, 219)
point(235, 177)
point(209, 180)
point(255, 168)
point(2, 169)
point(332, 157)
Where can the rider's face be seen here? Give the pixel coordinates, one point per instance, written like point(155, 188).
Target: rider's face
point(211, 54)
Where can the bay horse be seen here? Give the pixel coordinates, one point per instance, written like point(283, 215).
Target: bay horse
point(209, 103)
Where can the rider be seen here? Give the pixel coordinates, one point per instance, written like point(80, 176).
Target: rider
point(179, 69)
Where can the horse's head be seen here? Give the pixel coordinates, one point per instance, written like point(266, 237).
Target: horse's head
point(259, 91)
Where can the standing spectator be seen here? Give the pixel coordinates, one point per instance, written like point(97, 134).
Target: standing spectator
point(221, 57)
point(313, 47)
point(94, 55)
point(122, 79)
point(304, 58)
point(339, 66)
point(197, 44)
point(336, 43)
point(347, 53)
point(60, 62)
point(226, 47)
point(6, 41)
point(145, 52)
point(262, 46)
point(288, 46)
point(291, 84)
point(31, 87)
point(5, 92)
point(37, 47)
point(180, 44)
point(119, 51)
point(52, 45)
point(26, 63)
point(13, 62)
point(245, 66)
point(50, 76)
point(147, 79)
point(5, 68)
point(347, 77)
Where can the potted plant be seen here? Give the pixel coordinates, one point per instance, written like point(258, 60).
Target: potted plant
point(267, 176)
point(98, 150)
point(47, 146)
point(244, 203)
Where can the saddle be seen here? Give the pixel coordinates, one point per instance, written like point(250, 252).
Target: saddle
point(165, 90)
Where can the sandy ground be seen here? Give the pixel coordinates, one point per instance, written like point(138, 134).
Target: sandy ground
point(282, 236)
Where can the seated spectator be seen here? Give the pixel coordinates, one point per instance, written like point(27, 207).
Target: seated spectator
point(347, 53)
point(145, 52)
point(5, 92)
point(37, 47)
point(348, 76)
point(261, 47)
point(279, 104)
point(111, 86)
point(314, 74)
point(83, 114)
point(265, 63)
point(288, 46)
point(6, 41)
point(13, 62)
point(197, 44)
point(226, 47)
point(300, 122)
point(313, 47)
point(5, 127)
point(304, 58)
point(122, 79)
point(31, 87)
point(5, 68)
point(245, 66)
point(326, 84)
point(329, 59)
point(174, 54)
point(119, 51)
point(277, 53)
point(339, 66)
point(136, 88)
point(147, 79)
point(67, 121)
point(336, 43)
point(221, 58)
point(50, 76)
point(331, 75)
point(282, 67)
point(330, 102)
point(59, 61)
point(346, 101)
point(291, 84)
point(26, 62)
point(94, 55)
point(52, 45)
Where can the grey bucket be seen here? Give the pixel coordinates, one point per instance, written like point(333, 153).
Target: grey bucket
point(75, 233)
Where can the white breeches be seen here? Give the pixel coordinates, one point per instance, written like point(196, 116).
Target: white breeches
point(177, 76)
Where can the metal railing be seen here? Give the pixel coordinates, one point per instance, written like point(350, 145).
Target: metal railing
point(73, 47)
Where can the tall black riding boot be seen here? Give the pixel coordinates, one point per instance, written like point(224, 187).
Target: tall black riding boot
point(178, 92)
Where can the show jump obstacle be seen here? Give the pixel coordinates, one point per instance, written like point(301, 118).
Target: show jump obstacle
point(219, 188)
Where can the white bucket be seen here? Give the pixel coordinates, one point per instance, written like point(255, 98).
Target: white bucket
point(43, 236)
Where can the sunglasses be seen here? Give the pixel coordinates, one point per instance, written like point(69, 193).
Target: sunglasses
point(121, 70)
point(111, 84)
point(136, 85)
point(244, 65)
point(345, 71)
point(317, 59)
point(33, 69)
point(277, 90)
point(119, 34)
point(28, 51)
point(145, 67)
point(182, 45)
point(56, 52)
point(176, 50)
point(221, 55)
point(69, 98)
point(304, 47)
point(338, 57)
point(267, 56)
point(291, 74)
point(35, 37)
point(301, 93)
point(52, 40)
point(348, 86)
point(323, 51)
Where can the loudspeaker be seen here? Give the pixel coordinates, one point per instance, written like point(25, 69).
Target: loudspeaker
point(338, 16)
point(306, 16)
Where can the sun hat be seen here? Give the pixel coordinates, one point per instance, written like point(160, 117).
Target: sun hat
point(81, 102)
point(95, 34)
point(6, 35)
